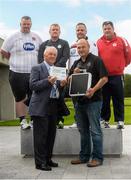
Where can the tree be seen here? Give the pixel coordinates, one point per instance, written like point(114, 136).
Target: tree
point(127, 85)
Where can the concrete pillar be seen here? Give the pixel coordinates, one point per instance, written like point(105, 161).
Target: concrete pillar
point(7, 104)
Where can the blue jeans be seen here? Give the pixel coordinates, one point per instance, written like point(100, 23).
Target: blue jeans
point(90, 131)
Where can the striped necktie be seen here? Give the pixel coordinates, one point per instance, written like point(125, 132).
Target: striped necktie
point(54, 91)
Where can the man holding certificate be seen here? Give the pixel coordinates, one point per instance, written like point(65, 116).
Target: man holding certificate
point(43, 109)
point(89, 106)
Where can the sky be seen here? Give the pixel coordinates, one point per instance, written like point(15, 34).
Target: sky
point(67, 13)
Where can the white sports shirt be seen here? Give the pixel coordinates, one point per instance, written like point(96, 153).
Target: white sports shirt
point(75, 56)
point(23, 49)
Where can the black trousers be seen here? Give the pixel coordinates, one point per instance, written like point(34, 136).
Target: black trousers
point(113, 89)
point(44, 131)
point(19, 83)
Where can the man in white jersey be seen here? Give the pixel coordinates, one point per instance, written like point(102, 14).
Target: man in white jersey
point(81, 33)
point(21, 49)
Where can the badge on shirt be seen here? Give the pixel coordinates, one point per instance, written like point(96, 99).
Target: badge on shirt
point(114, 44)
point(59, 46)
point(33, 38)
point(73, 51)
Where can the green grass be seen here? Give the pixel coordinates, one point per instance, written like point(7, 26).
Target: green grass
point(10, 123)
point(70, 119)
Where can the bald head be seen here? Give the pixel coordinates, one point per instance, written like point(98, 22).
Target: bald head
point(83, 48)
point(50, 55)
point(83, 41)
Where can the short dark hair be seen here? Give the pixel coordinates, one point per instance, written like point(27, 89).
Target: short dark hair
point(55, 24)
point(108, 22)
point(26, 18)
point(80, 23)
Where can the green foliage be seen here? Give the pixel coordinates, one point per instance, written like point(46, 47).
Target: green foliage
point(127, 85)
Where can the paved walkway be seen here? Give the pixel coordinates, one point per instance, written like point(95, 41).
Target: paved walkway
point(14, 166)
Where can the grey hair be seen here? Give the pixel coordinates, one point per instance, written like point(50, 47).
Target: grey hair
point(49, 48)
point(26, 18)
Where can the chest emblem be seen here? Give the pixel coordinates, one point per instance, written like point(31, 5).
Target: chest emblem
point(88, 64)
point(114, 44)
point(72, 51)
point(28, 46)
point(59, 46)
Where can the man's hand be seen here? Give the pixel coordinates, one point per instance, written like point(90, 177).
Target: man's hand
point(90, 92)
point(52, 79)
point(76, 70)
point(63, 83)
point(4, 54)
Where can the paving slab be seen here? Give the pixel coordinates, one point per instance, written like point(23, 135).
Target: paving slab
point(15, 166)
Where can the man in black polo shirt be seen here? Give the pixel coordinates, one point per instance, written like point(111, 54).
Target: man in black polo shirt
point(89, 106)
point(63, 55)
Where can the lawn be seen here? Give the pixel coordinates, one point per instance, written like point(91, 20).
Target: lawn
point(70, 119)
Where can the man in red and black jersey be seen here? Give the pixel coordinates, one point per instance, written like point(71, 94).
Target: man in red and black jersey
point(115, 52)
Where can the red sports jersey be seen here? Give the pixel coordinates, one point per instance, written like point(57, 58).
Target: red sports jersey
point(115, 53)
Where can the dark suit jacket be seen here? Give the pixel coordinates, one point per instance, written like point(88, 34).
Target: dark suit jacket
point(40, 100)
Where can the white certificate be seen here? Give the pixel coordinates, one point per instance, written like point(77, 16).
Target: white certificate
point(58, 72)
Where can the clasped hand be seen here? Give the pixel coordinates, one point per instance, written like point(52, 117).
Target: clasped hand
point(52, 80)
point(89, 93)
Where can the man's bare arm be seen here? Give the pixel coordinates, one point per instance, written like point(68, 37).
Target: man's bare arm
point(4, 54)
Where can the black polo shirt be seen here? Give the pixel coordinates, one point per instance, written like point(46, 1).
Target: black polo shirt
point(95, 66)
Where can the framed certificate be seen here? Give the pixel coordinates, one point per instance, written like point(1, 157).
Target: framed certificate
point(79, 84)
point(58, 72)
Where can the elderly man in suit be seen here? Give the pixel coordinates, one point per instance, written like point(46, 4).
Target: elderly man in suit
point(43, 109)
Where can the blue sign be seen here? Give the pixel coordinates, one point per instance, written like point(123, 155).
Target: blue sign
point(28, 46)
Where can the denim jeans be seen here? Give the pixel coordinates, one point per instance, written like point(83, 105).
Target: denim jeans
point(91, 137)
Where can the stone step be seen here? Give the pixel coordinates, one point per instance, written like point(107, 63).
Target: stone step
point(67, 142)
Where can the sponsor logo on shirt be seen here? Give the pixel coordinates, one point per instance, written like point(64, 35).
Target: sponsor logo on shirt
point(73, 51)
point(28, 46)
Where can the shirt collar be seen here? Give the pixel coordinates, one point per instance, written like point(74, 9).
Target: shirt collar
point(48, 66)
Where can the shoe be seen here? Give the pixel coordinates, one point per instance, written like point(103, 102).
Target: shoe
point(94, 163)
point(77, 161)
point(120, 125)
point(60, 125)
point(52, 164)
point(43, 167)
point(24, 124)
point(31, 124)
point(104, 124)
point(74, 125)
